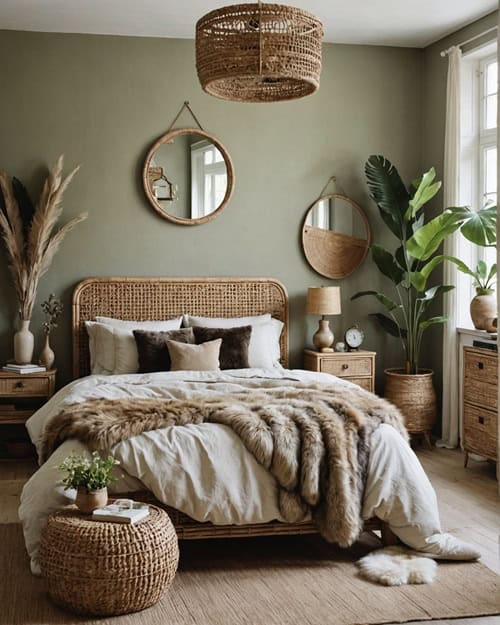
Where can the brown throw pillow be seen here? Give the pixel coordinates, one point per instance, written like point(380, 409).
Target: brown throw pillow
point(234, 348)
point(204, 357)
point(152, 347)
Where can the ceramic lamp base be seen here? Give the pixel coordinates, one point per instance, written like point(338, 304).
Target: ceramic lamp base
point(323, 339)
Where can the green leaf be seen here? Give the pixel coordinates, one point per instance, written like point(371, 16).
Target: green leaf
point(423, 325)
point(429, 237)
point(390, 326)
point(481, 226)
point(388, 192)
point(425, 191)
point(493, 272)
point(431, 294)
point(383, 299)
point(481, 269)
point(387, 264)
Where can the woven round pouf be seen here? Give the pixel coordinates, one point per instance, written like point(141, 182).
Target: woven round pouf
point(100, 568)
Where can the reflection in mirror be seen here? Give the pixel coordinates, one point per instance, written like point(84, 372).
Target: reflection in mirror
point(188, 176)
point(335, 236)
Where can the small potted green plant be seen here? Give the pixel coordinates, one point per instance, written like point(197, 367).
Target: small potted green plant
point(90, 477)
point(52, 308)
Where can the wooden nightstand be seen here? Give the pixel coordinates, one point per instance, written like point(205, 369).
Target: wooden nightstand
point(22, 394)
point(357, 367)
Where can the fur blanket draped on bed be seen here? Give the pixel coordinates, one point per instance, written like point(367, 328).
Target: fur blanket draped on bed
point(315, 440)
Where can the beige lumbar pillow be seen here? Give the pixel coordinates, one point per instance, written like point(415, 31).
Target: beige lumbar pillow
point(186, 357)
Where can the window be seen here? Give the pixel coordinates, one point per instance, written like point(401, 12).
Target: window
point(478, 168)
point(209, 178)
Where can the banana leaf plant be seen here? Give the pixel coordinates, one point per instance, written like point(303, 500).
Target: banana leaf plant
point(416, 256)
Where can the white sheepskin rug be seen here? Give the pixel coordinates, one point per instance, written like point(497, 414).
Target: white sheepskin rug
point(394, 566)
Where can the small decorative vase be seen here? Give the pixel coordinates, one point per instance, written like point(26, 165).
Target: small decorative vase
point(483, 311)
point(23, 344)
point(47, 355)
point(89, 500)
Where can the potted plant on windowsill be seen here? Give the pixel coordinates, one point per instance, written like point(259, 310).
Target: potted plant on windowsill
point(90, 477)
point(409, 269)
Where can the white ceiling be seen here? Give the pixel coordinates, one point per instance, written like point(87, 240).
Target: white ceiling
point(413, 23)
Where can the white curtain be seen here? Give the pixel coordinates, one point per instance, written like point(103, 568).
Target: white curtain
point(451, 193)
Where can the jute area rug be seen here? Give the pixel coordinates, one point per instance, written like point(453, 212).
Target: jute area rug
point(262, 581)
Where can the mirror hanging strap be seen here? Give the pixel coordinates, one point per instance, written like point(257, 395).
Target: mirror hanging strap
point(186, 106)
point(337, 187)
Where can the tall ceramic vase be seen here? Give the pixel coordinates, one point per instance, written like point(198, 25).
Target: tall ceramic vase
point(47, 355)
point(23, 344)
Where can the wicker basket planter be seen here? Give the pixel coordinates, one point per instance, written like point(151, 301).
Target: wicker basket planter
point(104, 569)
point(415, 396)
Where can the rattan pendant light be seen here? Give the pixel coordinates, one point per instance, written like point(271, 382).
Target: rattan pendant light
point(259, 52)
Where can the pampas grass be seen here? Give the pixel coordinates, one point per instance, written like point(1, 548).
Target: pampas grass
point(32, 244)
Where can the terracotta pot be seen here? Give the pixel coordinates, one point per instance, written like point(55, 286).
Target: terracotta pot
point(23, 344)
point(88, 501)
point(415, 397)
point(483, 312)
point(47, 355)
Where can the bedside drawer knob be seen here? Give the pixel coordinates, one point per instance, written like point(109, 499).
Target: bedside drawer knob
point(19, 385)
point(481, 420)
point(480, 365)
point(345, 366)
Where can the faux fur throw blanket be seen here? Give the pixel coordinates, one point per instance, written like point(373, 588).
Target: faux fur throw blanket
point(314, 440)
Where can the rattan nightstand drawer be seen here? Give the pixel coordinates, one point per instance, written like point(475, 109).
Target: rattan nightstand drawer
point(480, 393)
point(480, 431)
point(480, 366)
point(36, 387)
point(350, 366)
point(366, 383)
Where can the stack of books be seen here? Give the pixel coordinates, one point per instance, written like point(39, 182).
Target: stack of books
point(31, 368)
point(117, 513)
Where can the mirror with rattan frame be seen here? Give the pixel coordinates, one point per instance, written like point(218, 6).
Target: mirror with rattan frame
point(335, 236)
point(188, 176)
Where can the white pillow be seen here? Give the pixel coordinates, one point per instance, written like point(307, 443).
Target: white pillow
point(264, 348)
point(112, 346)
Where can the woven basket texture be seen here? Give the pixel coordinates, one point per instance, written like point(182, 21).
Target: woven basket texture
point(104, 568)
point(415, 396)
point(259, 52)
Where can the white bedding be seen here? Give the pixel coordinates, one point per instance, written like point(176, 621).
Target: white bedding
point(206, 472)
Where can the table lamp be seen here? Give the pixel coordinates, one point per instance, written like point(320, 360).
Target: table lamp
point(323, 300)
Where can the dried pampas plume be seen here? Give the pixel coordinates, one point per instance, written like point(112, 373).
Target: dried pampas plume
point(28, 231)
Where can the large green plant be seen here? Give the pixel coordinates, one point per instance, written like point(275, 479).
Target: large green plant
point(416, 256)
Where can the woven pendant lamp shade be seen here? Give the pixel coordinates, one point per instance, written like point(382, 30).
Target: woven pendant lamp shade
point(259, 52)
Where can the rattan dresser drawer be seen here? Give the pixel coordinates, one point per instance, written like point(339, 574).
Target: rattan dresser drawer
point(347, 367)
point(366, 383)
point(36, 387)
point(480, 431)
point(480, 366)
point(480, 393)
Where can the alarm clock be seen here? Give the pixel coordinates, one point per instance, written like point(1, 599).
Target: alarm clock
point(354, 338)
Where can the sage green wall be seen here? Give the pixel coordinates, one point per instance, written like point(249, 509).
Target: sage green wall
point(435, 69)
point(103, 100)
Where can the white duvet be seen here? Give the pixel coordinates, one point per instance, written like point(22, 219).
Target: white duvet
point(206, 472)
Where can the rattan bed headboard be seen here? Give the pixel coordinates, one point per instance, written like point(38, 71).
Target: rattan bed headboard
point(161, 298)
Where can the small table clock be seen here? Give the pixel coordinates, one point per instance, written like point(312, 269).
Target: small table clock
point(354, 338)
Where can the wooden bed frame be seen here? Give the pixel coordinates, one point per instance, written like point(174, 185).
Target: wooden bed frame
point(144, 299)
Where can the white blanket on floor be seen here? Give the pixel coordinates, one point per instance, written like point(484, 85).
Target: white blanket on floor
point(206, 472)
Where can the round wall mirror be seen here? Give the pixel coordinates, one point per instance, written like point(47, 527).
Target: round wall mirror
point(335, 236)
point(188, 176)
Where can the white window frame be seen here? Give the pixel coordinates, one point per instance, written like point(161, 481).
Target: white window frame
point(475, 140)
point(199, 208)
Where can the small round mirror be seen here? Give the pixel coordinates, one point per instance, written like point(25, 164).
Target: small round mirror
point(188, 176)
point(335, 236)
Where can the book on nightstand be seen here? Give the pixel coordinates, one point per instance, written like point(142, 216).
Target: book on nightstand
point(117, 513)
point(31, 368)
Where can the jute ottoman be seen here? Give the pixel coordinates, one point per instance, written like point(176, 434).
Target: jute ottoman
point(99, 568)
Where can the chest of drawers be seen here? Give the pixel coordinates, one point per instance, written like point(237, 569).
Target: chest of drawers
point(357, 367)
point(480, 399)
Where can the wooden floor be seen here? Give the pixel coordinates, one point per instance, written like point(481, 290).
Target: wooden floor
point(468, 501)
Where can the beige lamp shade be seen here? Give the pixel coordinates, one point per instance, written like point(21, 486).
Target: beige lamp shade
point(323, 300)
